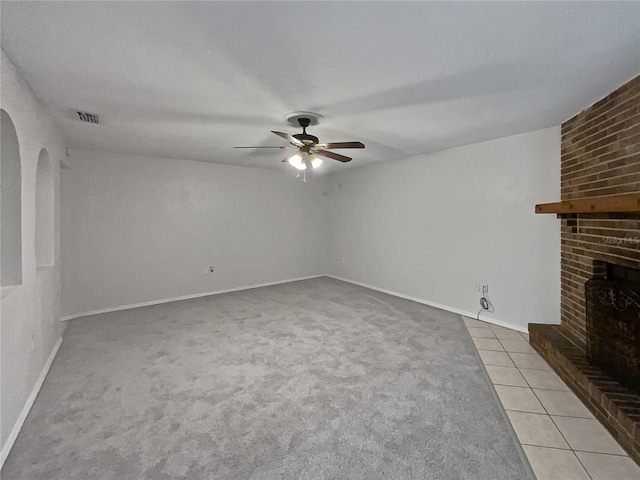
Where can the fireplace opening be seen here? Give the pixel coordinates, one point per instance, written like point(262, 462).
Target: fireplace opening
point(622, 274)
point(613, 324)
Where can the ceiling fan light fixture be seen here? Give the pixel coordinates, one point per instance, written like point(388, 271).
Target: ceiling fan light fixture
point(297, 161)
point(315, 161)
point(308, 146)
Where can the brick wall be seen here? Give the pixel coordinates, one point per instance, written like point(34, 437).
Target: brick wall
point(600, 157)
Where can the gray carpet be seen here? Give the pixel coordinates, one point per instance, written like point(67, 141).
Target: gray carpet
point(317, 379)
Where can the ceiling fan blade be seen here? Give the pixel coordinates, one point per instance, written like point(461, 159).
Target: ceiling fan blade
point(282, 148)
point(289, 138)
point(334, 156)
point(333, 145)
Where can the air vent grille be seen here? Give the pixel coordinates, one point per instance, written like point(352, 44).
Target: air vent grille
point(88, 117)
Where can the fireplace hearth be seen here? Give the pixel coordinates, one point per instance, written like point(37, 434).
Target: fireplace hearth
point(613, 324)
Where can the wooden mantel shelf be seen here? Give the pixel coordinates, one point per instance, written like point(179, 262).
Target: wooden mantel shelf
point(614, 203)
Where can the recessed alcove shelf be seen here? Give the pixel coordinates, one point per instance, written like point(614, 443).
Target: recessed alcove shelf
point(629, 203)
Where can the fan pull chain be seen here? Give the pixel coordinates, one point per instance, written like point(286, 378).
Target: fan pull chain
point(304, 176)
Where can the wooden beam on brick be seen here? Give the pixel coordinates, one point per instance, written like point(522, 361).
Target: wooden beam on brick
point(610, 204)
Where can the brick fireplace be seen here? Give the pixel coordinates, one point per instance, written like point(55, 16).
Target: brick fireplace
point(600, 160)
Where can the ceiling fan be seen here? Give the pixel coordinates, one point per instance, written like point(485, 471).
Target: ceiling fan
point(309, 148)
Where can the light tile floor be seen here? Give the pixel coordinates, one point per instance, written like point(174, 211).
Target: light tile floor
point(561, 438)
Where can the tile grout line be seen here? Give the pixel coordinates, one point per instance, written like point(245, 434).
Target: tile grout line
point(582, 464)
point(520, 411)
point(560, 431)
point(528, 368)
point(566, 416)
point(551, 417)
point(547, 414)
point(545, 408)
point(550, 448)
point(609, 454)
point(574, 452)
point(565, 450)
point(571, 416)
point(572, 449)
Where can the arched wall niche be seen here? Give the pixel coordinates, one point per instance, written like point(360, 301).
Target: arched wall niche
point(10, 204)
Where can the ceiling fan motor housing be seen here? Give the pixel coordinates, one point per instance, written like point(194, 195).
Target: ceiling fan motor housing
point(304, 137)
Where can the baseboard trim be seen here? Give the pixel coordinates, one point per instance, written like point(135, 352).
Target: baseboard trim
point(448, 308)
point(433, 304)
point(183, 297)
point(6, 448)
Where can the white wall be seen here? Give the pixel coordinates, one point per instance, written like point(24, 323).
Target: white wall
point(139, 229)
point(29, 313)
point(45, 213)
point(432, 227)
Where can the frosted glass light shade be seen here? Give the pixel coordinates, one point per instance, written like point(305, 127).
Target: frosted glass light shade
point(315, 161)
point(297, 161)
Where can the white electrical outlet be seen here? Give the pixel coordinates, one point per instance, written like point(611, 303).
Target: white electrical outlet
point(485, 289)
point(211, 270)
point(476, 287)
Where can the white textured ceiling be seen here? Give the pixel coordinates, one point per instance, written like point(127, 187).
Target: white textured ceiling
point(191, 80)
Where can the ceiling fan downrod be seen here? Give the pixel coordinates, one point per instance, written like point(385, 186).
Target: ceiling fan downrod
point(304, 123)
point(304, 137)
